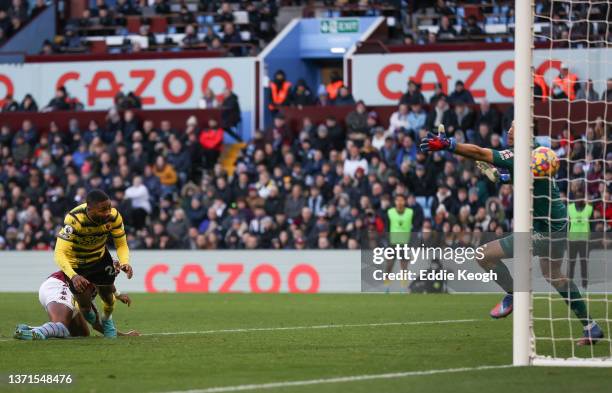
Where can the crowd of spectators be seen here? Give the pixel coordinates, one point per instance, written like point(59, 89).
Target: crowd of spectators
point(146, 170)
point(14, 14)
point(61, 101)
point(565, 86)
point(324, 185)
point(214, 25)
point(427, 22)
point(207, 25)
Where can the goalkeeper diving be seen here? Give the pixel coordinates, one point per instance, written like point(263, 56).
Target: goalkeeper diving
point(549, 220)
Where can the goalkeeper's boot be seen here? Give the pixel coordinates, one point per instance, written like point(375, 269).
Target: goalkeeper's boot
point(109, 328)
point(503, 308)
point(592, 334)
point(28, 334)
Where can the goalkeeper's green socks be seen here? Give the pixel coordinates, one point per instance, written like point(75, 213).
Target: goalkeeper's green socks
point(504, 278)
point(572, 296)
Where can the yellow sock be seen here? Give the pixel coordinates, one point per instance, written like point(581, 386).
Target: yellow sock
point(109, 308)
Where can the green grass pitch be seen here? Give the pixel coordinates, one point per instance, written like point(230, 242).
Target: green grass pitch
point(214, 356)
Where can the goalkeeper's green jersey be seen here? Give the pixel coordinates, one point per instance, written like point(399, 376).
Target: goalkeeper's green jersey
point(549, 212)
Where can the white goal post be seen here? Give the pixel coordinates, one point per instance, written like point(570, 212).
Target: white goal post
point(522, 184)
point(529, 325)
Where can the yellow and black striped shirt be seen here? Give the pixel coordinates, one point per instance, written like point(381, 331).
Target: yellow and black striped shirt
point(81, 241)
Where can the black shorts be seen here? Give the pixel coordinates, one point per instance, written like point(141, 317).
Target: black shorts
point(100, 272)
point(578, 247)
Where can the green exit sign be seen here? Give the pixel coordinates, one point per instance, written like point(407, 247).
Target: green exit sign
point(333, 26)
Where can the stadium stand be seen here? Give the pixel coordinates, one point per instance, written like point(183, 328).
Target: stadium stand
point(127, 26)
point(441, 22)
point(326, 169)
point(15, 14)
point(242, 28)
point(326, 176)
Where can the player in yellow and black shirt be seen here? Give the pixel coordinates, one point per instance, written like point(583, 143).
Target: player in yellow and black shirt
point(81, 253)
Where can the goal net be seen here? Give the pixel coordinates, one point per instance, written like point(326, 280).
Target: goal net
point(570, 112)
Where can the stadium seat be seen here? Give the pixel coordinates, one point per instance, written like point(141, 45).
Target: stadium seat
point(98, 46)
point(472, 10)
point(159, 25)
point(133, 24)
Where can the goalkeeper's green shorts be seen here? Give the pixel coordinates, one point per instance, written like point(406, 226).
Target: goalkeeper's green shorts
point(551, 245)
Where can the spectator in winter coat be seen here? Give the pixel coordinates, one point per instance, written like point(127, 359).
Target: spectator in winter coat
point(587, 92)
point(460, 94)
point(230, 113)
point(166, 174)
point(10, 105)
point(354, 162)
point(141, 204)
point(211, 140)
point(357, 123)
point(413, 95)
point(295, 202)
point(302, 95)
point(398, 122)
point(344, 97)
point(60, 101)
point(441, 114)
point(416, 117)
point(28, 104)
point(438, 92)
point(489, 115)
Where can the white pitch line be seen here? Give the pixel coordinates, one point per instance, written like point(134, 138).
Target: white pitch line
point(273, 385)
point(272, 329)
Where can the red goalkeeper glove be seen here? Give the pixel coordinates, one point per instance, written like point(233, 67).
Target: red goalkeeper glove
point(438, 141)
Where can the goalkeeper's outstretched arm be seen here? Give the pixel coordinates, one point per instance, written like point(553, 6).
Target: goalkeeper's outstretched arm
point(439, 141)
point(474, 152)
